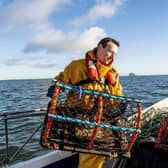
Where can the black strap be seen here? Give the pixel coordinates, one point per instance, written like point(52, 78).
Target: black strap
point(89, 80)
point(86, 81)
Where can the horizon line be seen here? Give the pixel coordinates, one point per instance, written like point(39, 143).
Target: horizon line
point(121, 75)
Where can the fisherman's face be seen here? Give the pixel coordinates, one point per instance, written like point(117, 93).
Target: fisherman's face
point(106, 55)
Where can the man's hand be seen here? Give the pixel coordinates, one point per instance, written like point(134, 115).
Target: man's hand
point(50, 91)
point(123, 106)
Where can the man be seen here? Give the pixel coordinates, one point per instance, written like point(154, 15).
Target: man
point(97, 66)
point(95, 72)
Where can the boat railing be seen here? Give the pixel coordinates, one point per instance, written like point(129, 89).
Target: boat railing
point(11, 122)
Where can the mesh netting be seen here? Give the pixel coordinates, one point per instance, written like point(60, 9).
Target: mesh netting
point(90, 121)
point(155, 129)
point(151, 125)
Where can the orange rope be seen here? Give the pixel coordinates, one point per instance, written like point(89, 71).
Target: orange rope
point(98, 120)
point(51, 111)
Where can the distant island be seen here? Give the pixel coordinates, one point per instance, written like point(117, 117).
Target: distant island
point(131, 74)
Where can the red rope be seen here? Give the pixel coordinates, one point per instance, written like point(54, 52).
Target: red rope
point(164, 126)
point(138, 124)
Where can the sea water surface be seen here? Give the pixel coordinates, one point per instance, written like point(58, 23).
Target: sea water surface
point(21, 95)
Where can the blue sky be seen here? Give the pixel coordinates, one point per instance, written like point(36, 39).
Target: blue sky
point(38, 38)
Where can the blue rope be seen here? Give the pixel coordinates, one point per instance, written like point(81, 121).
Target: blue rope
point(93, 124)
point(97, 93)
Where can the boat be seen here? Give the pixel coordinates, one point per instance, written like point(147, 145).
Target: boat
point(57, 159)
point(131, 74)
point(50, 159)
point(62, 159)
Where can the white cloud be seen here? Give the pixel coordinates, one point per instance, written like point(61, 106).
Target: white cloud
point(102, 9)
point(22, 11)
point(34, 61)
point(73, 44)
point(22, 60)
point(57, 41)
point(35, 13)
point(50, 39)
point(44, 65)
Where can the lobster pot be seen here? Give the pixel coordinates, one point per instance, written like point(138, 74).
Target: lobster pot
point(89, 121)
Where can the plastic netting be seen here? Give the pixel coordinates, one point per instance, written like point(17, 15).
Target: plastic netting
point(152, 124)
point(155, 129)
point(90, 121)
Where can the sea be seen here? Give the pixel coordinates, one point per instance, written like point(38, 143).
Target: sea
point(29, 94)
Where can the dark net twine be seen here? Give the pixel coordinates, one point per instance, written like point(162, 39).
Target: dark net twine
point(90, 121)
point(155, 128)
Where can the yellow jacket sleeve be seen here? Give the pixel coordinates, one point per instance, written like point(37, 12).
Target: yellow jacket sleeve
point(76, 71)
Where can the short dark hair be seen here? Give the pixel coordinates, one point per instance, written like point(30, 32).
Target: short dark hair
point(105, 40)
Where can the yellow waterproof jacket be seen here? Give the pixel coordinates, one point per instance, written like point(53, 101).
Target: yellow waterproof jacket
point(77, 71)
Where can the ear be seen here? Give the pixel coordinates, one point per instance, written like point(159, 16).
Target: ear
point(99, 50)
point(100, 47)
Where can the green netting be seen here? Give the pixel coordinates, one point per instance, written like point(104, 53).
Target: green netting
point(150, 127)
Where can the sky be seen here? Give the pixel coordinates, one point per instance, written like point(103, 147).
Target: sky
point(39, 38)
